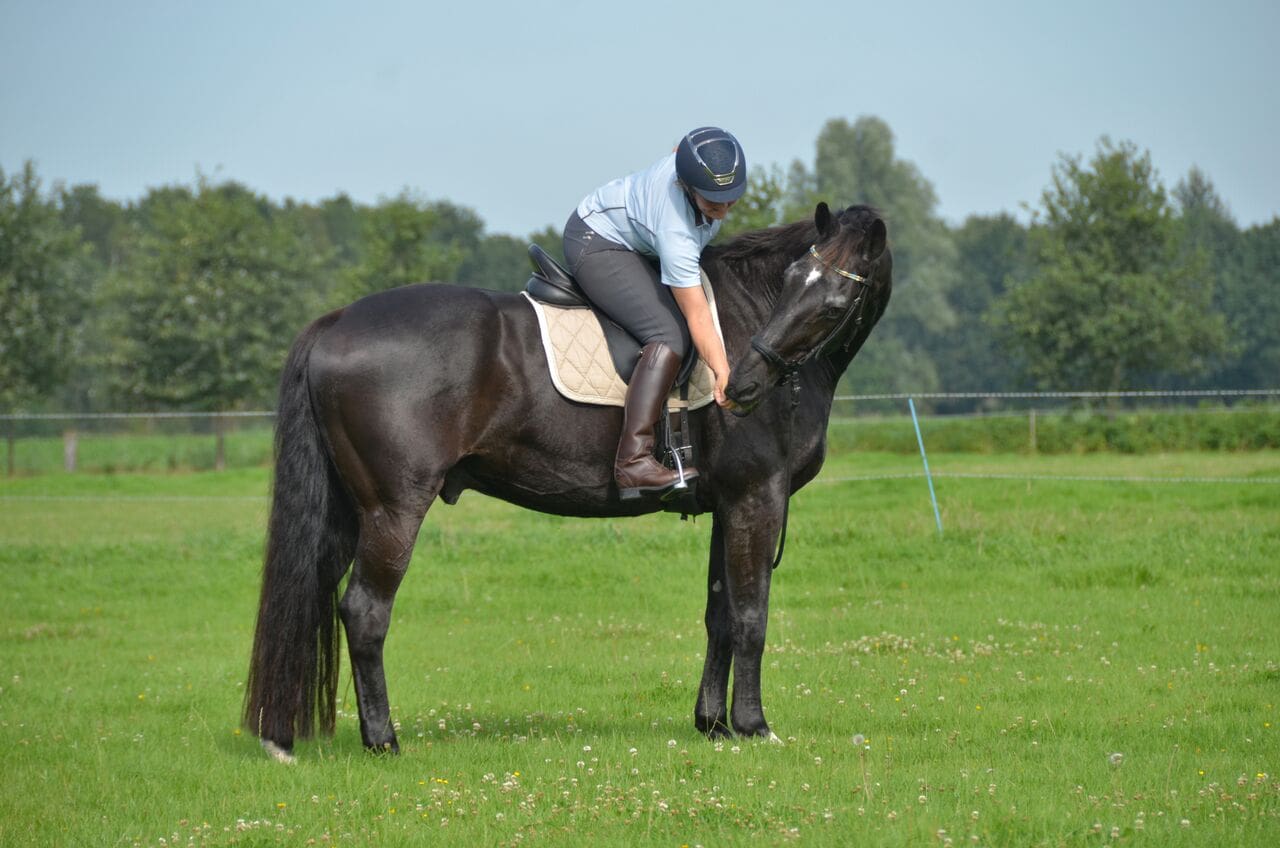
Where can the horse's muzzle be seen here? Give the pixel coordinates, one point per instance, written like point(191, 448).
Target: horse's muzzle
point(745, 397)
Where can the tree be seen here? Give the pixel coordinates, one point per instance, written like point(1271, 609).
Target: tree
point(990, 251)
point(212, 290)
point(42, 275)
point(100, 222)
point(759, 207)
point(1246, 286)
point(1113, 296)
point(407, 240)
point(1204, 222)
point(498, 262)
point(341, 219)
point(1251, 301)
point(856, 163)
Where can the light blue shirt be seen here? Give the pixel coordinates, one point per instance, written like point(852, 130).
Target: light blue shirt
point(649, 213)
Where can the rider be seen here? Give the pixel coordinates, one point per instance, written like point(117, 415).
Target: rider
point(668, 213)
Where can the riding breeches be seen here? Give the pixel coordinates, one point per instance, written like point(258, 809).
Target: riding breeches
point(626, 286)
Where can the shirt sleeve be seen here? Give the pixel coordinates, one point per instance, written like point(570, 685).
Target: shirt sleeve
point(678, 255)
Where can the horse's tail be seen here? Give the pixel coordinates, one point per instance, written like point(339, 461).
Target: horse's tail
point(311, 537)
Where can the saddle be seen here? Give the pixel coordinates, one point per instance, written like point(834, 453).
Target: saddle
point(592, 359)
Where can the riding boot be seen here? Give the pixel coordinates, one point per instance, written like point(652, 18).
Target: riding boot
point(635, 469)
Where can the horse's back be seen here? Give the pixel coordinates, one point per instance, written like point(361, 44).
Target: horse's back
point(400, 377)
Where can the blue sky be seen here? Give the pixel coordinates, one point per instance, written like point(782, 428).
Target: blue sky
point(516, 110)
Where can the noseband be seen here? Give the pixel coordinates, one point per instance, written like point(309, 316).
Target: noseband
point(853, 312)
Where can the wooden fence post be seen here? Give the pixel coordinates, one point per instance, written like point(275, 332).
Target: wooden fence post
point(69, 445)
point(1032, 425)
point(220, 445)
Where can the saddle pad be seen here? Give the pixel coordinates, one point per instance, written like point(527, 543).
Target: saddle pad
point(582, 369)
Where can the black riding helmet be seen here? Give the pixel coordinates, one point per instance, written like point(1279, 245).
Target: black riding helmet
point(710, 161)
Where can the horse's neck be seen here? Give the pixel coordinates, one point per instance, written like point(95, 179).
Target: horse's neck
point(749, 292)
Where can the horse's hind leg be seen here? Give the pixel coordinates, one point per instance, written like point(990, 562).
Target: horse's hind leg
point(382, 557)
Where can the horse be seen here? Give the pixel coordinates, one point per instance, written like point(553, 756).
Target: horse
point(421, 392)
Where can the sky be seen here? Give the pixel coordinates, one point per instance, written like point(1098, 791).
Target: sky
point(516, 110)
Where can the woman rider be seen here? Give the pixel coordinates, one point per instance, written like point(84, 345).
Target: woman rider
point(668, 212)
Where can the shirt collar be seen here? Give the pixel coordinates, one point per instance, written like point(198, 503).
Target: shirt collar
point(699, 220)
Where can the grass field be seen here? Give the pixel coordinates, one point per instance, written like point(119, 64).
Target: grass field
point(1073, 663)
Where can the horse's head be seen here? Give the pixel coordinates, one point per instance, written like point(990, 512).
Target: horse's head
point(823, 303)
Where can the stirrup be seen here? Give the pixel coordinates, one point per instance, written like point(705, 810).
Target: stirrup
point(678, 487)
point(681, 485)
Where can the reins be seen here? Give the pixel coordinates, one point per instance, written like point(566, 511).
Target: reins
point(794, 379)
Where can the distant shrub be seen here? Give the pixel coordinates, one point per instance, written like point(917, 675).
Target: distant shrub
point(1130, 431)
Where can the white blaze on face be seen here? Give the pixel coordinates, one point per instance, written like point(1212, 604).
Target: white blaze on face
point(814, 276)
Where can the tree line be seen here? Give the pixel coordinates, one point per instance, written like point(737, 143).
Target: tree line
point(189, 297)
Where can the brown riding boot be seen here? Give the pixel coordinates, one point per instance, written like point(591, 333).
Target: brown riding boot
point(635, 469)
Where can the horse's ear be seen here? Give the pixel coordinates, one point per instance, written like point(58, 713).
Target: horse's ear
point(822, 217)
point(875, 241)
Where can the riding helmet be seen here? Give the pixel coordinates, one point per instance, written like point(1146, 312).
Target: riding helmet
point(710, 161)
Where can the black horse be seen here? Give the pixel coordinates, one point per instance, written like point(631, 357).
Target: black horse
point(424, 391)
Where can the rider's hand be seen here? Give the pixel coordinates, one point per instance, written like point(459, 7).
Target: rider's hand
point(722, 380)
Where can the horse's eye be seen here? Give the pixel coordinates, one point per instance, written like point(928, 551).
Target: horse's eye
point(832, 312)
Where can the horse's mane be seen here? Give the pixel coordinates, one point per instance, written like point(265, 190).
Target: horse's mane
point(789, 239)
point(770, 250)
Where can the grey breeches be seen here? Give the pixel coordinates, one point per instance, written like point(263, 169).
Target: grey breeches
point(625, 286)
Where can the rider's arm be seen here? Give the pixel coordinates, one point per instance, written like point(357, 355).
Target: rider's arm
point(697, 314)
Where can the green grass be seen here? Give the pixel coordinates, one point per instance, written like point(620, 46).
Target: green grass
point(542, 670)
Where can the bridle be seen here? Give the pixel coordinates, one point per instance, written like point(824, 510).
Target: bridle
point(854, 312)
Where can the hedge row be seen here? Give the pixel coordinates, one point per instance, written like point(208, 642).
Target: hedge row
point(1080, 432)
point(1076, 432)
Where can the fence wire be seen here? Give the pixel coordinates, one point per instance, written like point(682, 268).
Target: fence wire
point(78, 435)
point(1074, 478)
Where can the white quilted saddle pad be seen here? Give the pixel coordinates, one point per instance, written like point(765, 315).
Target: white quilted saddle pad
point(582, 369)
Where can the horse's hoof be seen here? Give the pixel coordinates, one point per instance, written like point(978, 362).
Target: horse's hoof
point(277, 753)
point(773, 739)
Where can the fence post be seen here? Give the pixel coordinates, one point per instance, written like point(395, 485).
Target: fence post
point(1032, 425)
point(219, 447)
point(937, 517)
point(69, 445)
point(9, 440)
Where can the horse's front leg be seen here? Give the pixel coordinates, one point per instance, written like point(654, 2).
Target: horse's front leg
point(711, 715)
point(750, 536)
